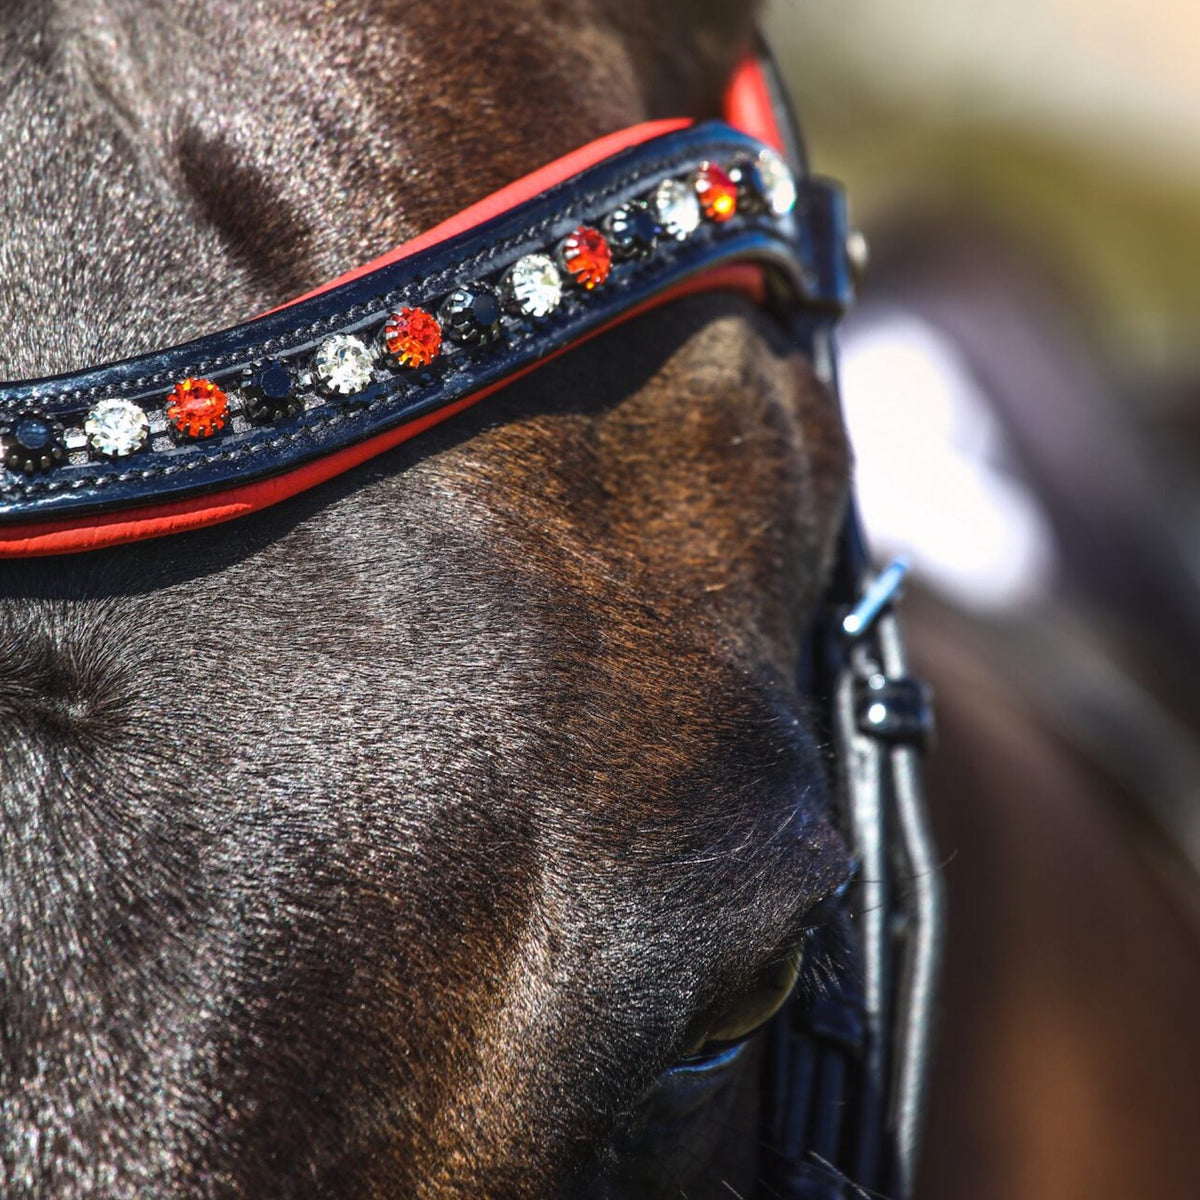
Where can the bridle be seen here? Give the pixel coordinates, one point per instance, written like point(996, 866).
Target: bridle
point(238, 420)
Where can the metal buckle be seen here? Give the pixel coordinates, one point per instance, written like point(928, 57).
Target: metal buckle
point(895, 710)
point(880, 594)
point(848, 1067)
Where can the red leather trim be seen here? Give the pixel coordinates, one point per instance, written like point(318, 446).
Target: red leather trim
point(113, 529)
point(748, 105)
point(511, 195)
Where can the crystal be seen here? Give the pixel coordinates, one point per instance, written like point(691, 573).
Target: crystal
point(677, 208)
point(267, 394)
point(35, 433)
point(533, 286)
point(274, 382)
point(633, 229)
point(776, 183)
point(197, 408)
point(716, 191)
point(343, 364)
point(33, 443)
point(586, 256)
point(472, 314)
point(413, 337)
point(116, 428)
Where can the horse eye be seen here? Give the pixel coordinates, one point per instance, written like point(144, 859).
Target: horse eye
point(756, 1005)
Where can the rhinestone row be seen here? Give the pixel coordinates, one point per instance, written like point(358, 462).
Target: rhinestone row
point(344, 364)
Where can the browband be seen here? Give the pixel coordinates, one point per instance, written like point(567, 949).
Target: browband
point(232, 422)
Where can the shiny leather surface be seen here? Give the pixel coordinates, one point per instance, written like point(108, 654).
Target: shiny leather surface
point(804, 251)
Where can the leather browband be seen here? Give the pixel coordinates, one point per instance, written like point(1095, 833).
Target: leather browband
point(237, 420)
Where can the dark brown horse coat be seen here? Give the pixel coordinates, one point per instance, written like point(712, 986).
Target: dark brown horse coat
point(391, 842)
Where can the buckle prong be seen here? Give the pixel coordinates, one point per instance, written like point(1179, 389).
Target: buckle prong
point(878, 595)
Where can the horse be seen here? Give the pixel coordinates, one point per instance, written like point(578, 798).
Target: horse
point(395, 840)
point(404, 838)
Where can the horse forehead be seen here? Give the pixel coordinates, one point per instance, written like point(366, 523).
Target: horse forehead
point(161, 186)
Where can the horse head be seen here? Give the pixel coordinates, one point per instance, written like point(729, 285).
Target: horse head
point(396, 839)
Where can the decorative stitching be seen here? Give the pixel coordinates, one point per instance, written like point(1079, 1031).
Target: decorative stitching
point(474, 268)
point(539, 227)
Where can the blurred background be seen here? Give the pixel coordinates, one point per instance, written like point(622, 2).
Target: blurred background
point(1055, 143)
point(1074, 125)
point(1022, 374)
point(1022, 384)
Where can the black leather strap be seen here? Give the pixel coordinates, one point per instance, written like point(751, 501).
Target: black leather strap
point(846, 1069)
point(804, 250)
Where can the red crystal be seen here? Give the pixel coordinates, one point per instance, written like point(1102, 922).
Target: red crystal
point(413, 336)
point(197, 408)
point(717, 192)
point(587, 257)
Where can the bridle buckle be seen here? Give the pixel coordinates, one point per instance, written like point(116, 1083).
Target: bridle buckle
point(897, 711)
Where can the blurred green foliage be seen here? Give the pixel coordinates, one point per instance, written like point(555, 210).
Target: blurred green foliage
point(1121, 228)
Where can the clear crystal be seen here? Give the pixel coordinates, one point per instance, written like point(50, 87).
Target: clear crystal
point(343, 364)
point(116, 428)
point(778, 183)
point(535, 285)
point(677, 208)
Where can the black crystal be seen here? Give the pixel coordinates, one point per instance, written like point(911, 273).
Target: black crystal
point(632, 230)
point(748, 179)
point(268, 394)
point(32, 443)
point(472, 314)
